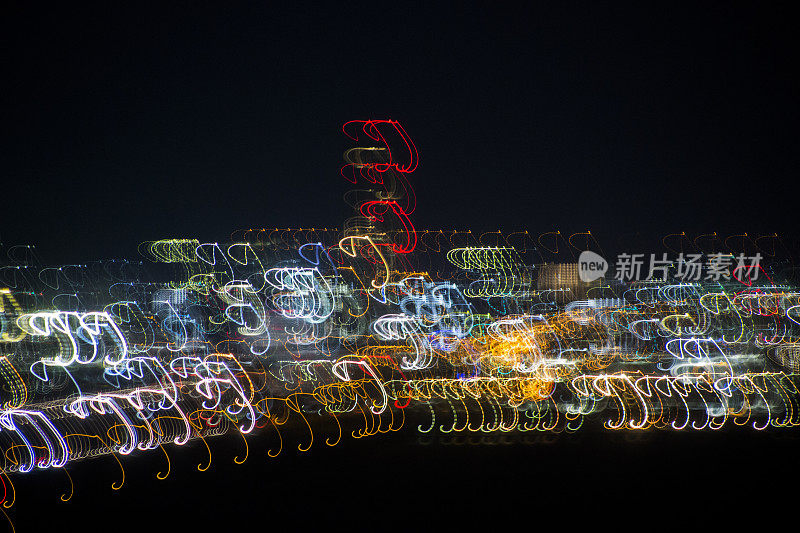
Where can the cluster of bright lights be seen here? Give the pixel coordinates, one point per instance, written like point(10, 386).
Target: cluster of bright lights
point(373, 325)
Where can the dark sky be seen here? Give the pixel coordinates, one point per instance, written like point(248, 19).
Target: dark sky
point(121, 126)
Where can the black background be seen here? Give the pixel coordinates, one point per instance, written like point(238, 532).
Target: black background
point(194, 120)
point(733, 478)
point(122, 126)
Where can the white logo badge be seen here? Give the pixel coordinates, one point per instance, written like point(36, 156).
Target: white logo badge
point(591, 266)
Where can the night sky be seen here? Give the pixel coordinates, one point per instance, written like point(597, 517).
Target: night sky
point(127, 125)
point(122, 126)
